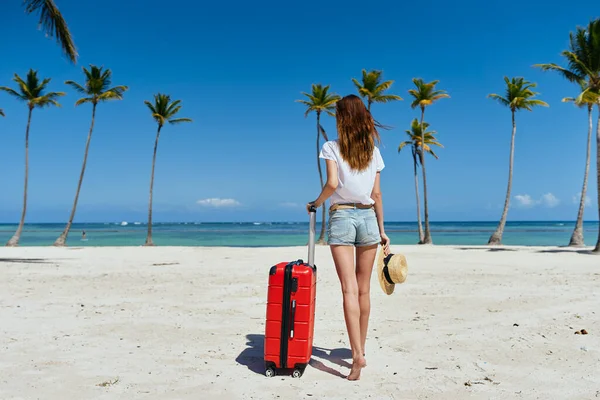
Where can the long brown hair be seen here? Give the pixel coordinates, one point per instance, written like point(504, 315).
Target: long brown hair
point(356, 132)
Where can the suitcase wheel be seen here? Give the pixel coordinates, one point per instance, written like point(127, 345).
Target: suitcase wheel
point(270, 372)
point(297, 373)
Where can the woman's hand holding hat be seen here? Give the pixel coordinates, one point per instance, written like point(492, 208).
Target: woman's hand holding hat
point(385, 243)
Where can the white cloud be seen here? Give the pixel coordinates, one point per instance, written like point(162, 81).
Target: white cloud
point(217, 202)
point(549, 200)
point(524, 200)
point(587, 201)
point(290, 205)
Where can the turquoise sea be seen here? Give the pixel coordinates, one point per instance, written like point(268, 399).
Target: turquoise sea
point(272, 234)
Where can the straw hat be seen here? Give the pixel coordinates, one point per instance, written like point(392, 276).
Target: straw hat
point(391, 270)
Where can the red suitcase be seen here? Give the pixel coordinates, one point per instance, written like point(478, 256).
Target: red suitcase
point(291, 312)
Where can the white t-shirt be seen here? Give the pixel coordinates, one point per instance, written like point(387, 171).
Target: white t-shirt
point(354, 186)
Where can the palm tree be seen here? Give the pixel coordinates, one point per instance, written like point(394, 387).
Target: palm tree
point(583, 67)
point(425, 95)
point(163, 110)
point(414, 141)
point(585, 99)
point(320, 101)
point(31, 91)
point(97, 89)
point(373, 88)
point(519, 96)
point(53, 24)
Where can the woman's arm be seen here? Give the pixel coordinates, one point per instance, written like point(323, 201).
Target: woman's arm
point(376, 196)
point(330, 185)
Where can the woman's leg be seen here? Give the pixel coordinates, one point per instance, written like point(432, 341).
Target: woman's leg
point(365, 258)
point(343, 257)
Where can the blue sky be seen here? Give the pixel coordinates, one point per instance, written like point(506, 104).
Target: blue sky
point(239, 67)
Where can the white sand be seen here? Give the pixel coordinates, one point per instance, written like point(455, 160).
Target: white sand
point(72, 318)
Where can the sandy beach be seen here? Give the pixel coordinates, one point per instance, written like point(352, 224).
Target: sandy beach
point(188, 323)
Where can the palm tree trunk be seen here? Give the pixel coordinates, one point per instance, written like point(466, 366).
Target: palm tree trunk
point(427, 235)
point(496, 238)
point(149, 236)
point(369, 104)
point(62, 239)
point(321, 239)
point(420, 226)
point(14, 241)
point(577, 236)
point(597, 248)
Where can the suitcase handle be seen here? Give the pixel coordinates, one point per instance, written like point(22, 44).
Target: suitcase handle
point(293, 318)
point(311, 235)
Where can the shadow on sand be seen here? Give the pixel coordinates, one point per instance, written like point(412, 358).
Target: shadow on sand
point(24, 260)
point(253, 356)
point(490, 249)
point(568, 250)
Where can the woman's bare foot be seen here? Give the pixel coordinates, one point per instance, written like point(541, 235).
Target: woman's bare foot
point(357, 366)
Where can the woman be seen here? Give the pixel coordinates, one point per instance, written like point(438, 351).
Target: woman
point(355, 215)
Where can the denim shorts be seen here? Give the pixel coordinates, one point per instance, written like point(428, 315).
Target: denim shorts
point(353, 227)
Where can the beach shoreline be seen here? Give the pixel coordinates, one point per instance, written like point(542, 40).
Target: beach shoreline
point(528, 233)
point(188, 322)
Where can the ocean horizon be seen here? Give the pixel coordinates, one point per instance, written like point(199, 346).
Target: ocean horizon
point(280, 234)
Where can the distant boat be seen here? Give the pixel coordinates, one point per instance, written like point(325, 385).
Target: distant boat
point(137, 223)
point(124, 223)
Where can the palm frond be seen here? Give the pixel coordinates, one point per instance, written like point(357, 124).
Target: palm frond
point(568, 75)
point(519, 95)
point(88, 73)
point(357, 84)
point(53, 95)
point(97, 85)
point(150, 106)
point(499, 99)
point(416, 139)
point(115, 93)
point(84, 101)
point(163, 109)
point(76, 86)
point(172, 108)
point(171, 112)
point(42, 102)
point(386, 98)
point(319, 100)
point(373, 88)
point(159, 118)
point(27, 88)
point(179, 121)
point(32, 90)
point(2, 112)
point(39, 89)
point(306, 103)
point(53, 24)
point(12, 93)
point(536, 102)
point(430, 151)
point(425, 94)
point(383, 86)
point(436, 97)
point(107, 96)
point(582, 57)
point(322, 130)
point(404, 144)
point(588, 97)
